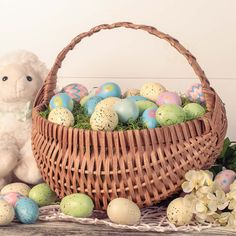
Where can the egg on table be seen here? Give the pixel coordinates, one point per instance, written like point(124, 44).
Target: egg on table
point(75, 91)
point(144, 105)
point(123, 211)
point(91, 104)
point(104, 119)
point(126, 110)
point(193, 111)
point(26, 210)
point(61, 100)
point(170, 114)
point(11, 197)
point(42, 195)
point(7, 213)
point(195, 94)
point(77, 205)
point(149, 118)
point(179, 213)
point(225, 178)
point(107, 103)
point(20, 188)
point(109, 90)
point(169, 98)
point(152, 90)
point(61, 116)
point(131, 92)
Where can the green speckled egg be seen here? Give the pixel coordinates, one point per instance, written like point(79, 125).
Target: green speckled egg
point(42, 195)
point(194, 111)
point(7, 213)
point(21, 188)
point(152, 90)
point(144, 105)
point(61, 116)
point(77, 205)
point(170, 114)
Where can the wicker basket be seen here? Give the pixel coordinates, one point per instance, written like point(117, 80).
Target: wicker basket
point(144, 165)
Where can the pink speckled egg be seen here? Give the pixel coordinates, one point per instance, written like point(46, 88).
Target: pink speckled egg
point(75, 91)
point(169, 98)
point(194, 93)
point(11, 197)
point(225, 178)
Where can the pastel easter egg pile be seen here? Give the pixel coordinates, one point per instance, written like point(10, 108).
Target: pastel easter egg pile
point(106, 108)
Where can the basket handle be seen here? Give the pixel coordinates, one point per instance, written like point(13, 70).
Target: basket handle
point(51, 80)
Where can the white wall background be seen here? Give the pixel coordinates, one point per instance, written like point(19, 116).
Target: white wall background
point(206, 28)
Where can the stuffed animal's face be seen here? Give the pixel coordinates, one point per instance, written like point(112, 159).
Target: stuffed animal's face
point(18, 83)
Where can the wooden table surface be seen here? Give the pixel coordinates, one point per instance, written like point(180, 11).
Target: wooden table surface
point(64, 228)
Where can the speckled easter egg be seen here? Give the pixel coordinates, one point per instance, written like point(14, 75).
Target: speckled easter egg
point(42, 195)
point(131, 92)
point(123, 211)
point(126, 110)
point(61, 116)
point(77, 205)
point(170, 114)
point(107, 103)
point(194, 111)
point(225, 178)
point(144, 105)
point(195, 94)
point(149, 118)
point(75, 91)
point(27, 211)
point(109, 90)
point(11, 197)
point(91, 104)
point(61, 100)
point(104, 119)
point(7, 213)
point(152, 91)
point(179, 213)
point(21, 188)
point(137, 98)
point(169, 98)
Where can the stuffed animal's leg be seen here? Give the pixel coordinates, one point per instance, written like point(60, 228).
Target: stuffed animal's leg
point(27, 170)
point(9, 155)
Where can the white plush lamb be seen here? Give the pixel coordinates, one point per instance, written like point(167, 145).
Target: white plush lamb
point(21, 76)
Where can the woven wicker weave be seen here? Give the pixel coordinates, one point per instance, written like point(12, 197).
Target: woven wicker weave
point(143, 165)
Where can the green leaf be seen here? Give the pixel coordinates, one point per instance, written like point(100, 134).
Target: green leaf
point(227, 143)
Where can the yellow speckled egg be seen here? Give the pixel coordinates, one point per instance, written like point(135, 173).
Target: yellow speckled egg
point(61, 116)
point(132, 92)
point(152, 91)
point(179, 213)
point(123, 211)
point(107, 103)
point(21, 188)
point(7, 213)
point(104, 119)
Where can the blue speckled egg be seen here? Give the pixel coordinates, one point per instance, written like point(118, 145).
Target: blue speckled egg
point(149, 118)
point(108, 90)
point(27, 211)
point(91, 104)
point(61, 100)
point(137, 98)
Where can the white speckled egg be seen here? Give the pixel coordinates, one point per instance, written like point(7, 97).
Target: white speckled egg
point(131, 92)
point(123, 211)
point(7, 213)
point(61, 116)
point(107, 103)
point(104, 119)
point(21, 188)
point(152, 91)
point(225, 178)
point(179, 213)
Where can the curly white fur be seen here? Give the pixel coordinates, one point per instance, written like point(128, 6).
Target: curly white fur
point(21, 76)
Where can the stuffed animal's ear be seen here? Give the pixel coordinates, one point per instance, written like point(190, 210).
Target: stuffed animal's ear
point(28, 58)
